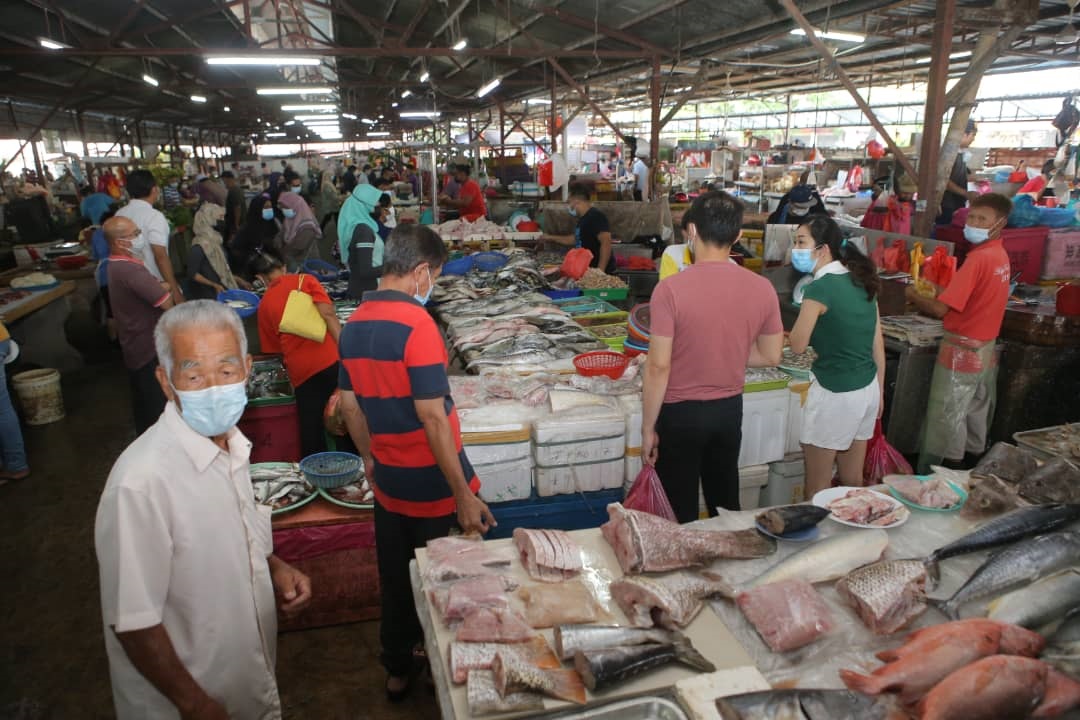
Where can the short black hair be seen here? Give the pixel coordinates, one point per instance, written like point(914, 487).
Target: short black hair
point(383, 183)
point(463, 168)
point(385, 201)
point(263, 263)
point(227, 174)
point(580, 191)
point(717, 216)
point(366, 167)
point(140, 183)
point(997, 202)
point(410, 245)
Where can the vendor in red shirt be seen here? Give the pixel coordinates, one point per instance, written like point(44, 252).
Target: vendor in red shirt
point(313, 366)
point(470, 198)
point(972, 308)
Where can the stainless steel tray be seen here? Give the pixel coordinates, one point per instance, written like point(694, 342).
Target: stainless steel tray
point(642, 708)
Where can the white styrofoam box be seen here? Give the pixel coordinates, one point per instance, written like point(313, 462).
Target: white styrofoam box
point(501, 482)
point(588, 477)
point(764, 427)
point(631, 405)
point(751, 480)
point(787, 482)
point(491, 453)
point(633, 465)
point(795, 414)
point(573, 439)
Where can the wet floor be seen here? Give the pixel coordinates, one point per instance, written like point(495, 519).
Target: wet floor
point(52, 656)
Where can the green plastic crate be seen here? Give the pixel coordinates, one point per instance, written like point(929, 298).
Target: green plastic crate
point(268, 364)
point(608, 293)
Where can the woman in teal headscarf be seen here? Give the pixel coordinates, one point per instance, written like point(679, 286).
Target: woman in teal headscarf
point(358, 240)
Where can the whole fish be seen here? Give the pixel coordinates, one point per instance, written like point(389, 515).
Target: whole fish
point(668, 601)
point(791, 518)
point(571, 638)
point(887, 595)
point(1041, 603)
point(804, 705)
point(484, 698)
point(1024, 562)
point(1057, 480)
point(1063, 652)
point(989, 495)
point(828, 559)
point(530, 357)
point(1007, 462)
point(931, 654)
point(515, 675)
point(600, 669)
point(1001, 687)
point(1020, 523)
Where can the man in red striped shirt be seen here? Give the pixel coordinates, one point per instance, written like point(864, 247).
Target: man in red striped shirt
point(395, 398)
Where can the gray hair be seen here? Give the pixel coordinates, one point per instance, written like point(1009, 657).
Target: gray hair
point(410, 245)
point(200, 315)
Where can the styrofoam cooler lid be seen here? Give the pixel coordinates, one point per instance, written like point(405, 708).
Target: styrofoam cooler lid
point(791, 466)
point(576, 425)
point(753, 476)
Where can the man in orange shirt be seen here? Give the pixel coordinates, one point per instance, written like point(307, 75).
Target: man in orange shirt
point(972, 308)
point(470, 198)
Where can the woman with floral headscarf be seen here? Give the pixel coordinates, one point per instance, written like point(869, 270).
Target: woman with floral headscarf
point(208, 268)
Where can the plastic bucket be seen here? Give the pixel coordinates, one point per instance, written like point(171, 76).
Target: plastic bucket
point(274, 432)
point(39, 395)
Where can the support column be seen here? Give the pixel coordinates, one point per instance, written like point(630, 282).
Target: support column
point(929, 201)
point(502, 131)
point(654, 126)
point(554, 115)
point(138, 139)
point(37, 159)
point(787, 123)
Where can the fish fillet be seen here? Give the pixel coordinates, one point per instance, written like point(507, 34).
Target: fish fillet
point(670, 601)
point(548, 555)
point(494, 625)
point(466, 656)
point(787, 615)
point(566, 603)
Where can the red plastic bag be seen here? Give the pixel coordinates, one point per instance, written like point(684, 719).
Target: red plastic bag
point(939, 268)
point(896, 258)
point(576, 263)
point(882, 459)
point(647, 495)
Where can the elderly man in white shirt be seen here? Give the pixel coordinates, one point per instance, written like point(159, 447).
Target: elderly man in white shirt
point(188, 575)
point(153, 245)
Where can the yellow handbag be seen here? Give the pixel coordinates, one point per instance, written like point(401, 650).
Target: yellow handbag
point(301, 317)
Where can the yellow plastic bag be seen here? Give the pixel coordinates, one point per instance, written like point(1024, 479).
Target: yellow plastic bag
point(301, 317)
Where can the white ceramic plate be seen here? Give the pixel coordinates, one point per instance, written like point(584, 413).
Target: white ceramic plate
point(826, 496)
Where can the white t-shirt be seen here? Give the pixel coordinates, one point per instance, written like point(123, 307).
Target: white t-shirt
point(155, 231)
point(180, 542)
point(641, 170)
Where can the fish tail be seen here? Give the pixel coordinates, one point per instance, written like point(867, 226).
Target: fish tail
point(538, 652)
point(932, 570)
point(723, 588)
point(688, 655)
point(567, 685)
point(945, 606)
point(865, 684)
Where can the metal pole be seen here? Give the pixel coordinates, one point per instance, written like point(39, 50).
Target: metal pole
point(554, 114)
point(37, 161)
point(654, 126)
point(929, 201)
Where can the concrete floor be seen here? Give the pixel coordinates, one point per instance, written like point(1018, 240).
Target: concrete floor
point(52, 656)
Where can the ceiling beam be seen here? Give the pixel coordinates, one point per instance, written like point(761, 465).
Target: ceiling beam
point(569, 80)
point(610, 32)
point(403, 39)
point(413, 52)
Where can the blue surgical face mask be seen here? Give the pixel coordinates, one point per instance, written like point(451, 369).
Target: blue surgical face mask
point(572, 210)
point(423, 299)
point(288, 212)
point(802, 259)
point(976, 236)
point(296, 188)
point(268, 214)
point(214, 410)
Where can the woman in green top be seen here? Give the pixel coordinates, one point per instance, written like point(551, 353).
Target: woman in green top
point(839, 317)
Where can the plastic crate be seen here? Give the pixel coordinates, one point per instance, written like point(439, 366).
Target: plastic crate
point(274, 432)
point(616, 293)
point(458, 267)
point(559, 512)
point(321, 269)
point(561, 294)
point(489, 261)
point(1062, 257)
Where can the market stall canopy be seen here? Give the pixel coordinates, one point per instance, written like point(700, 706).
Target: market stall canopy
point(146, 61)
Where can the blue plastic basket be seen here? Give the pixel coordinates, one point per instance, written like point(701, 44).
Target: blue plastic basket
point(241, 296)
point(321, 269)
point(329, 470)
point(459, 266)
point(489, 261)
point(561, 294)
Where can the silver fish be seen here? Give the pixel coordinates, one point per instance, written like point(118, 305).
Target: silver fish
point(1024, 562)
point(602, 668)
point(571, 638)
point(484, 697)
point(1039, 604)
point(828, 559)
point(887, 595)
point(804, 705)
point(1063, 652)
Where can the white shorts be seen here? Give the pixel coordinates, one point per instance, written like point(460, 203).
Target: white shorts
point(835, 420)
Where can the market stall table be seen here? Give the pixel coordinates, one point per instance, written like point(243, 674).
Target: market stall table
point(37, 321)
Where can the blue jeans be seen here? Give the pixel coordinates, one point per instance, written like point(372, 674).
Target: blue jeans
point(11, 441)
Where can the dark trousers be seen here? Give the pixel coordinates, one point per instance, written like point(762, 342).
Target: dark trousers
point(637, 195)
point(147, 399)
point(700, 439)
point(311, 398)
point(396, 538)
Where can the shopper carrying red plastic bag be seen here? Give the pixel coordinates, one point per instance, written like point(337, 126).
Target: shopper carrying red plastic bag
point(647, 495)
point(882, 459)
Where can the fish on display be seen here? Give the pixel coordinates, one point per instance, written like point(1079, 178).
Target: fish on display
point(484, 698)
point(828, 559)
point(290, 470)
point(803, 704)
point(1057, 480)
point(466, 656)
point(989, 495)
point(887, 595)
point(515, 675)
point(600, 669)
point(1007, 462)
point(1063, 652)
point(571, 638)
point(1039, 604)
point(788, 615)
point(551, 604)
point(1016, 525)
point(646, 543)
point(1001, 687)
point(548, 555)
point(669, 601)
point(501, 625)
point(791, 518)
point(1024, 562)
point(932, 493)
point(931, 654)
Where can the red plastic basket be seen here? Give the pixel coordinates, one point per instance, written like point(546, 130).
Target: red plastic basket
point(601, 362)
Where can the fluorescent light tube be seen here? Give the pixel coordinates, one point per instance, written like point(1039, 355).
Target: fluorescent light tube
point(150, 80)
point(198, 98)
point(321, 107)
point(460, 44)
point(378, 133)
point(420, 114)
point(299, 90)
point(52, 44)
point(425, 76)
point(261, 60)
point(488, 88)
point(830, 35)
